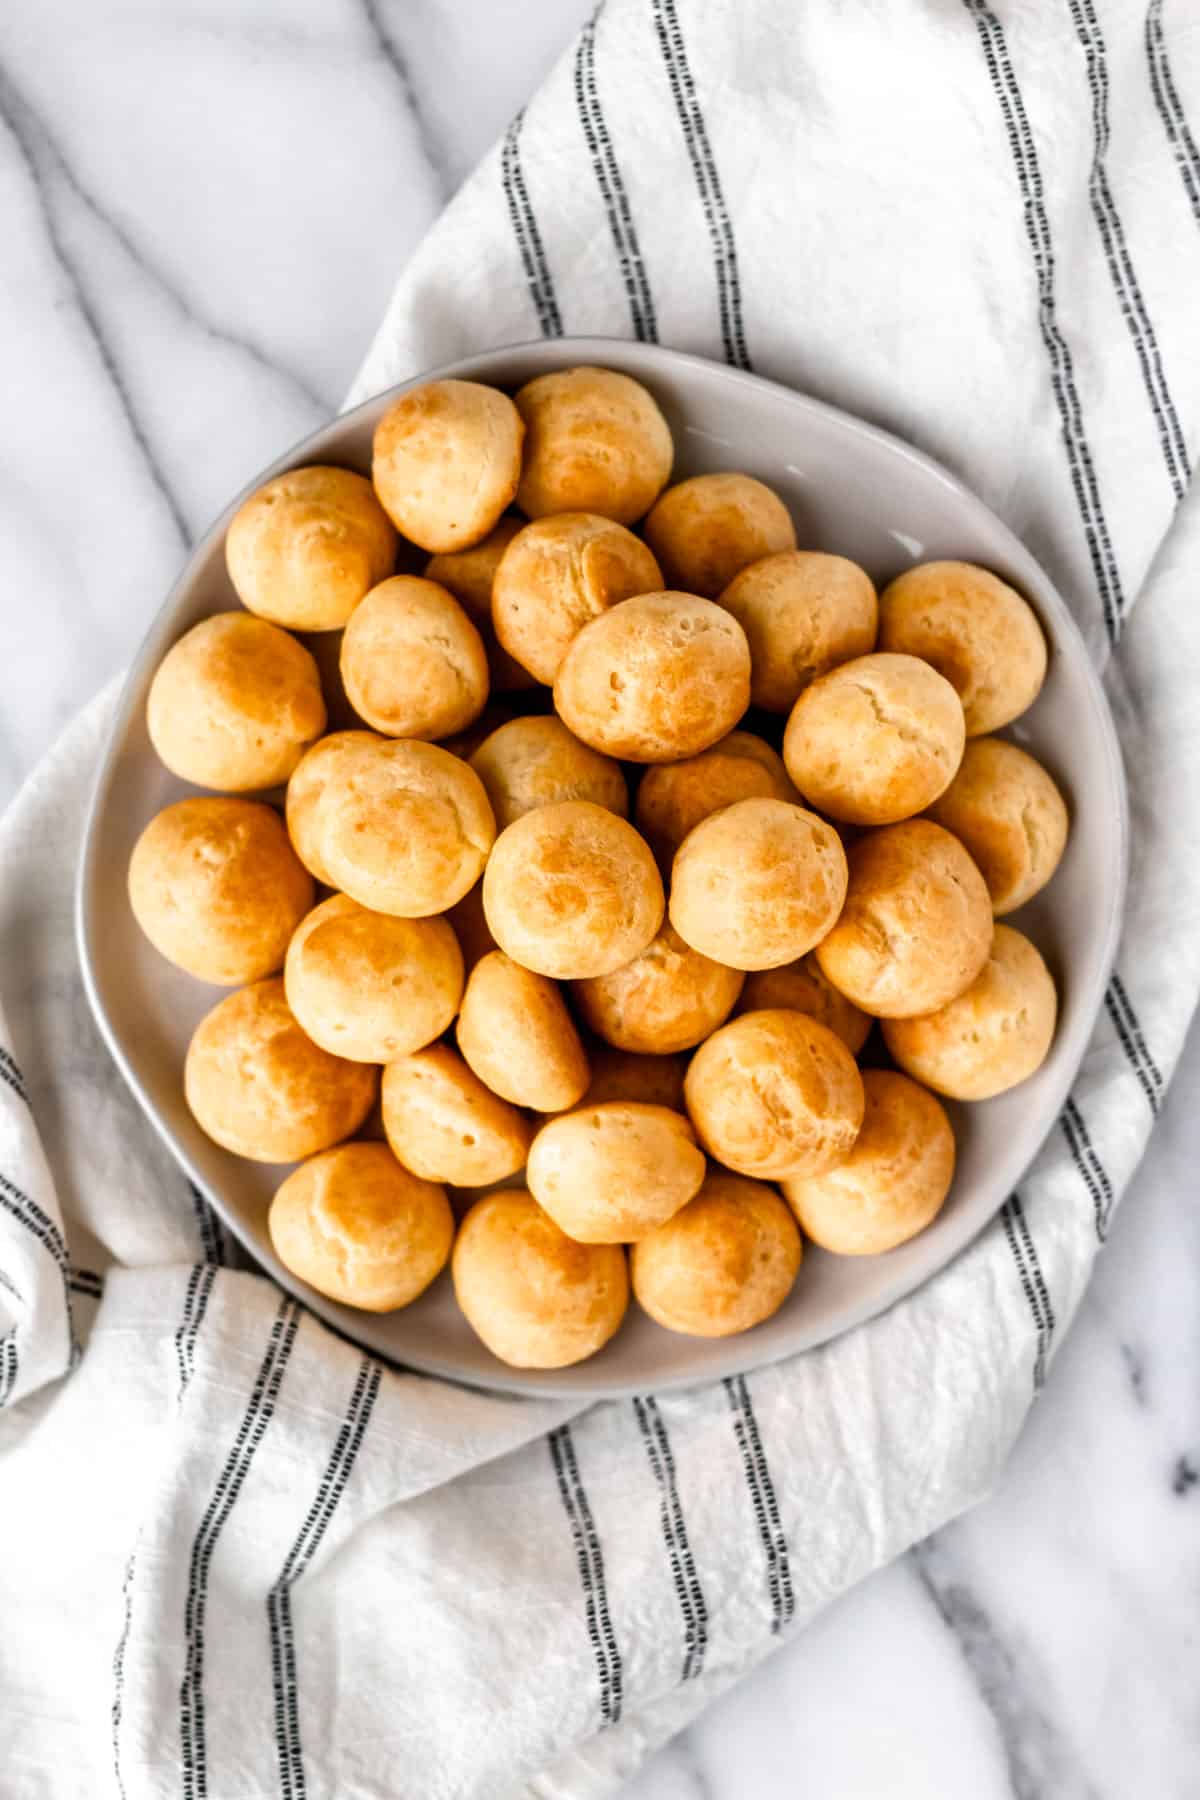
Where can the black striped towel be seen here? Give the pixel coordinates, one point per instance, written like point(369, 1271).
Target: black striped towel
point(239, 1557)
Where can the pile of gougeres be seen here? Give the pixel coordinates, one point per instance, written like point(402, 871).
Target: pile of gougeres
point(589, 913)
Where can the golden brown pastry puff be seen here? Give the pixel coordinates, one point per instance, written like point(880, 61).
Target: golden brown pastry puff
point(571, 891)
point(1009, 815)
point(596, 442)
point(470, 926)
point(976, 630)
point(358, 1227)
point(217, 888)
point(668, 998)
point(305, 547)
point(412, 663)
point(803, 613)
point(329, 760)
point(803, 987)
point(259, 1086)
point(722, 1264)
point(557, 575)
point(893, 1183)
point(673, 797)
point(445, 1124)
point(758, 883)
point(468, 575)
point(876, 740)
point(707, 530)
point(401, 826)
point(446, 462)
point(536, 1298)
point(371, 986)
point(516, 1033)
point(775, 1093)
point(235, 704)
point(628, 1075)
point(608, 1174)
point(655, 678)
point(994, 1034)
point(536, 761)
point(917, 924)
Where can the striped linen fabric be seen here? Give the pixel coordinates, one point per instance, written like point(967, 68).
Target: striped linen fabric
point(257, 1562)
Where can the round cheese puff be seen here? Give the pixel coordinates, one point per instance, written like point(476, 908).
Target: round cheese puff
point(572, 891)
point(668, 998)
point(259, 1086)
point(1010, 815)
point(446, 462)
point(775, 1093)
point(304, 549)
point(995, 1034)
point(403, 827)
point(371, 1128)
point(976, 631)
point(596, 443)
point(672, 798)
point(471, 927)
point(895, 1179)
point(801, 986)
point(327, 761)
point(516, 1033)
point(325, 648)
point(557, 575)
point(369, 986)
point(468, 575)
point(235, 704)
point(496, 713)
point(609, 1174)
point(360, 1229)
point(536, 1298)
point(707, 530)
point(803, 613)
point(917, 924)
point(536, 761)
point(723, 1264)
point(655, 678)
point(412, 662)
point(217, 888)
point(876, 740)
point(444, 1124)
point(757, 884)
point(626, 1075)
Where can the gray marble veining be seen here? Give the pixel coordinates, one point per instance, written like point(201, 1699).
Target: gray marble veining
point(58, 191)
point(1037, 1760)
point(384, 23)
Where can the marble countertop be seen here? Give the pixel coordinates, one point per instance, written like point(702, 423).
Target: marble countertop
point(206, 207)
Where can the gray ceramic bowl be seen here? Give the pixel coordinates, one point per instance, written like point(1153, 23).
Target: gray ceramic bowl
point(852, 489)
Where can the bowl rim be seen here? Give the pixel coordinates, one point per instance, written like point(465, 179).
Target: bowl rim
point(741, 1355)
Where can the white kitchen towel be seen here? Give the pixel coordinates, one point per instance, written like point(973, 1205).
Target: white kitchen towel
point(239, 1558)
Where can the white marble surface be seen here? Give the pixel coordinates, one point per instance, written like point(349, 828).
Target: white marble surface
point(205, 207)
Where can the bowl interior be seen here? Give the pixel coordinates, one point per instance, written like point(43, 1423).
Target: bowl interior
point(851, 489)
